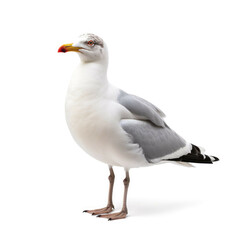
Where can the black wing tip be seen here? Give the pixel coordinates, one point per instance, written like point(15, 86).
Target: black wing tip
point(215, 159)
point(195, 149)
point(196, 158)
point(207, 159)
point(199, 158)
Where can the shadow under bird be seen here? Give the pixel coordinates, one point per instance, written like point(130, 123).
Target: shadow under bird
point(115, 127)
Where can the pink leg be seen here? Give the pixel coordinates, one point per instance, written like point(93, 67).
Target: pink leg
point(123, 213)
point(109, 208)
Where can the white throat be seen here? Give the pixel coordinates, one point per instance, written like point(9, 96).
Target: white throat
point(89, 78)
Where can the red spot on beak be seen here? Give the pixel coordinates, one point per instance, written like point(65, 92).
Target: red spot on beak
point(62, 49)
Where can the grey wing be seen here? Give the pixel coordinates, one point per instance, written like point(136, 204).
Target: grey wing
point(156, 142)
point(141, 108)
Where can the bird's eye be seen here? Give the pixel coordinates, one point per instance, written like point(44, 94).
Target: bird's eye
point(91, 43)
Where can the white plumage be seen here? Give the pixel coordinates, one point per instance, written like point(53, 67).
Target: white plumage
point(93, 116)
point(114, 127)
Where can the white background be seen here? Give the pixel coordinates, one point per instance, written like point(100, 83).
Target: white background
point(183, 56)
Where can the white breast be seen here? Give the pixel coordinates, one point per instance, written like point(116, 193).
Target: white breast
point(90, 123)
point(93, 117)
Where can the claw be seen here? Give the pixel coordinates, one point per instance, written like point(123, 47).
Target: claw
point(114, 216)
point(100, 211)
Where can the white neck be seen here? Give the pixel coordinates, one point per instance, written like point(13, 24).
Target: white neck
point(89, 78)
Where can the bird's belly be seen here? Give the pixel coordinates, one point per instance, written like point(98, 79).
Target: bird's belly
point(97, 131)
point(93, 128)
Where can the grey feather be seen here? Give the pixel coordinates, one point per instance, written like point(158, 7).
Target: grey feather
point(155, 141)
point(142, 108)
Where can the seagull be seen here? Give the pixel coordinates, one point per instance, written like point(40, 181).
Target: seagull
point(115, 127)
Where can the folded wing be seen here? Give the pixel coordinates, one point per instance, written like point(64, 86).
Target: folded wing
point(149, 130)
point(157, 143)
point(141, 108)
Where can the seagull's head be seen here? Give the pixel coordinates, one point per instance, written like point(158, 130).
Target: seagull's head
point(90, 48)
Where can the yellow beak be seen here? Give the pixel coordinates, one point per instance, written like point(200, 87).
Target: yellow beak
point(68, 47)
